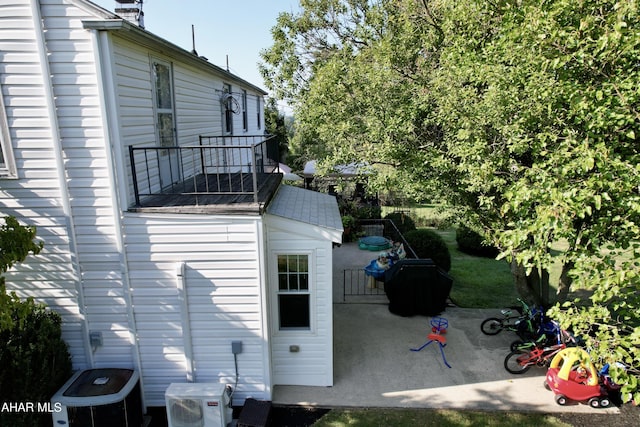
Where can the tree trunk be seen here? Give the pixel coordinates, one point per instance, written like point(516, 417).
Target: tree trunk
point(564, 284)
point(533, 287)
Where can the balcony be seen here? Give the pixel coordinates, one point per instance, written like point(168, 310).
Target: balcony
point(220, 174)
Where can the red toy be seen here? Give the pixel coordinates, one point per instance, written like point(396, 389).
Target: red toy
point(572, 376)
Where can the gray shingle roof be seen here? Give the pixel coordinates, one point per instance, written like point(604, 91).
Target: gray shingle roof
point(306, 206)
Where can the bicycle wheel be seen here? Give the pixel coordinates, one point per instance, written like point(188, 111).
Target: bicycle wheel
point(517, 362)
point(491, 326)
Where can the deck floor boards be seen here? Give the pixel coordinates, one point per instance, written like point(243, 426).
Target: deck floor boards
point(214, 193)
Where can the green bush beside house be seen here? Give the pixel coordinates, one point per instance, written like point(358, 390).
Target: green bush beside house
point(34, 359)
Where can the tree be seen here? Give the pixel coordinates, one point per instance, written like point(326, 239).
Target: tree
point(521, 114)
point(276, 126)
point(16, 242)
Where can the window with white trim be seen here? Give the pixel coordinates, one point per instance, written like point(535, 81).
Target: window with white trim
point(228, 109)
point(245, 118)
point(7, 163)
point(294, 296)
point(258, 112)
point(163, 85)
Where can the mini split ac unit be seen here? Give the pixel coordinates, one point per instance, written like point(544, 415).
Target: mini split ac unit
point(99, 398)
point(198, 405)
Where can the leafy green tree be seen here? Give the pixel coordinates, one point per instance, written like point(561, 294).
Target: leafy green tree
point(276, 126)
point(16, 242)
point(523, 115)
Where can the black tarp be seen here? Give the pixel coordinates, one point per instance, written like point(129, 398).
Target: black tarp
point(417, 287)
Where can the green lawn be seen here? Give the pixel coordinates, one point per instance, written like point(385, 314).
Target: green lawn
point(373, 417)
point(478, 282)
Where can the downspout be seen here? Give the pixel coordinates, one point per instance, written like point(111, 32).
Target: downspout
point(186, 320)
point(263, 249)
point(108, 110)
point(62, 178)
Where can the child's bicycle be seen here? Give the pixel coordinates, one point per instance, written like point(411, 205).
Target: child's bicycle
point(515, 319)
point(524, 355)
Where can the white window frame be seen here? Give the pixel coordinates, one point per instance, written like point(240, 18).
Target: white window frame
point(227, 111)
point(258, 112)
point(8, 165)
point(310, 292)
point(160, 110)
point(245, 113)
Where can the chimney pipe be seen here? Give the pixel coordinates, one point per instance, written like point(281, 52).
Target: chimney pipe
point(132, 12)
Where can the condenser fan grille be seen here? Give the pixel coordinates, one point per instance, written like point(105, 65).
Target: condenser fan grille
point(186, 413)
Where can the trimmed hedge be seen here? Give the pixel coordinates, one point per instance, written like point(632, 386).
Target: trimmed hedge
point(472, 243)
point(428, 244)
point(34, 360)
point(403, 221)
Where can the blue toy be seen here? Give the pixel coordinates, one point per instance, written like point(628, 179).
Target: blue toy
point(439, 327)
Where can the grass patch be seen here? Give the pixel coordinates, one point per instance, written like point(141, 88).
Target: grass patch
point(478, 282)
point(424, 215)
point(432, 418)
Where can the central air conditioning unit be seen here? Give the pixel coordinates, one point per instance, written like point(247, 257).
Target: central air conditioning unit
point(99, 398)
point(198, 405)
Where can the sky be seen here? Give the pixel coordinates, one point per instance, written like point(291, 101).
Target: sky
point(239, 29)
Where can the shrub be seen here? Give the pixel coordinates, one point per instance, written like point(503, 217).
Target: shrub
point(368, 212)
point(472, 243)
point(403, 221)
point(428, 244)
point(34, 360)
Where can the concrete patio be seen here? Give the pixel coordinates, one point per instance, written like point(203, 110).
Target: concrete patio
point(374, 367)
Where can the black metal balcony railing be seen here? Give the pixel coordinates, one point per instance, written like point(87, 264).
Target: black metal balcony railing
point(218, 165)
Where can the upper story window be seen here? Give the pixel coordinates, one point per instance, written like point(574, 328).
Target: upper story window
point(168, 162)
point(258, 115)
point(163, 92)
point(228, 109)
point(245, 119)
point(7, 163)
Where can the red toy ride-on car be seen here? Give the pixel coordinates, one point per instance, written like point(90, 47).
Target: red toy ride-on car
point(572, 377)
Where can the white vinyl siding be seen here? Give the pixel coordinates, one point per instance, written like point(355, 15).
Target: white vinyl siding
point(224, 296)
point(197, 103)
point(36, 197)
point(65, 186)
point(7, 163)
point(312, 364)
point(88, 170)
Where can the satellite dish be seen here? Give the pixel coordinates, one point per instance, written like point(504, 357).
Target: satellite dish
point(230, 103)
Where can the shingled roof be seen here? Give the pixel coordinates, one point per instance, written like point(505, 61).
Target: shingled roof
point(306, 206)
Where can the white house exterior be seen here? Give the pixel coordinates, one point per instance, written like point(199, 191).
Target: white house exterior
point(99, 121)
